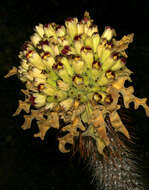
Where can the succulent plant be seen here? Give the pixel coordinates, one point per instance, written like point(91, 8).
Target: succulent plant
point(73, 73)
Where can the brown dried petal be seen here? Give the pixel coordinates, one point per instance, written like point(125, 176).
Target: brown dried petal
point(12, 72)
point(97, 118)
point(45, 124)
point(37, 114)
point(72, 128)
point(78, 111)
point(121, 45)
point(99, 123)
point(43, 128)
point(53, 120)
point(117, 124)
point(62, 142)
point(129, 97)
point(100, 145)
point(25, 92)
point(103, 135)
point(27, 123)
point(128, 94)
point(115, 95)
point(22, 106)
point(119, 83)
point(31, 87)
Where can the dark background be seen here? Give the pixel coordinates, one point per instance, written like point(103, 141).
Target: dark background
point(27, 163)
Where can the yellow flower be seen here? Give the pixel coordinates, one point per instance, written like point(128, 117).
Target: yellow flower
point(73, 73)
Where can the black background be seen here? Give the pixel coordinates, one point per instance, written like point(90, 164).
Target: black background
point(27, 163)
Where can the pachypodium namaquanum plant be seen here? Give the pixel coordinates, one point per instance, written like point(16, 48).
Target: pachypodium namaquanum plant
point(73, 73)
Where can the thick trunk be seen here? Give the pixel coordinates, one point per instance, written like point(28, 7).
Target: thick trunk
point(117, 170)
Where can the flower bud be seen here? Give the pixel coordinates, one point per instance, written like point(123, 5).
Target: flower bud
point(60, 31)
point(108, 33)
point(80, 28)
point(62, 85)
point(37, 81)
point(28, 76)
point(51, 82)
point(23, 75)
point(96, 68)
point(71, 25)
point(87, 56)
point(89, 42)
point(37, 73)
point(63, 41)
point(39, 29)
point(48, 60)
point(95, 41)
point(61, 95)
point(78, 44)
point(78, 65)
point(67, 104)
point(53, 75)
point(62, 72)
point(105, 54)
point(119, 64)
point(22, 78)
point(108, 63)
point(102, 80)
point(101, 48)
point(50, 106)
point(67, 65)
point(49, 30)
point(49, 90)
point(92, 29)
point(48, 48)
point(25, 64)
point(51, 99)
point(87, 22)
point(55, 49)
point(36, 61)
point(26, 47)
point(67, 50)
point(39, 100)
point(35, 38)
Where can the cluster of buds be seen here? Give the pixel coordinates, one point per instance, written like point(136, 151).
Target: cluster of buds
point(73, 73)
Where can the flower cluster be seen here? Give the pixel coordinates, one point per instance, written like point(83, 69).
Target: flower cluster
point(73, 73)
